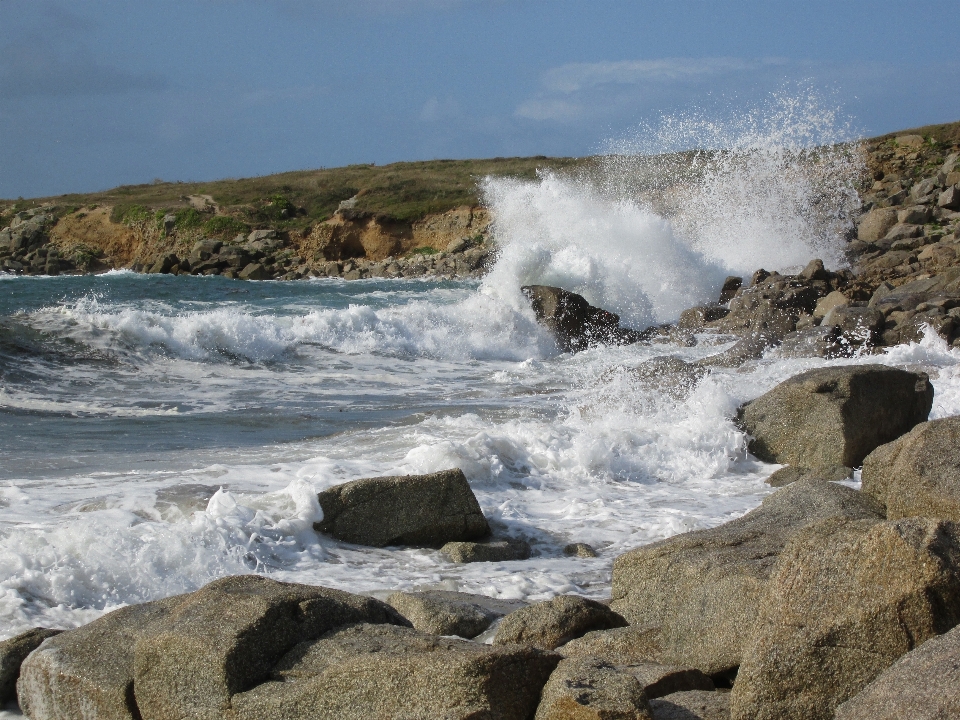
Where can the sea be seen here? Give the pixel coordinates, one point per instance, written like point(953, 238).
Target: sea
point(159, 432)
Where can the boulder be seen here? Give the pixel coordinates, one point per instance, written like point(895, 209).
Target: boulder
point(552, 623)
point(91, 667)
point(829, 302)
point(848, 598)
point(575, 323)
point(12, 654)
point(729, 289)
point(581, 550)
point(949, 199)
point(924, 684)
point(228, 636)
point(381, 671)
point(692, 705)
point(443, 612)
point(824, 341)
point(791, 474)
point(702, 589)
point(493, 551)
point(914, 215)
point(835, 415)
point(254, 271)
point(919, 473)
point(859, 325)
point(695, 318)
point(658, 680)
point(876, 223)
point(590, 689)
point(630, 645)
point(424, 510)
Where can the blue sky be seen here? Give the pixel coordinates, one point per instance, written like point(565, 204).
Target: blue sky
point(108, 92)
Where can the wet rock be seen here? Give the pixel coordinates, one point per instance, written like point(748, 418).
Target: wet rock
point(919, 473)
point(550, 624)
point(254, 271)
point(730, 287)
point(835, 416)
point(491, 551)
point(829, 302)
point(581, 550)
point(696, 317)
point(381, 671)
point(790, 474)
point(876, 223)
point(669, 374)
point(630, 645)
point(860, 325)
point(590, 689)
point(229, 635)
point(424, 510)
point(692, 705)
point(824, 341)
point(451, 613)
point(702, 589)
point(924, 684)
point(848, 598)
point(814, 271)
point(164, 264)
point(12, 654)
point(658, 680)
point(573, 321)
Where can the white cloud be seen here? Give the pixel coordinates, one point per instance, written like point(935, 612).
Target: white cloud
point(578, 76)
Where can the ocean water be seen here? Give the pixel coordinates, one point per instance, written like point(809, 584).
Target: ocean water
point(159, 432)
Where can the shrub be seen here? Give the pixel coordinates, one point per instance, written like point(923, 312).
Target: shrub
point(224, 225)
point(424, 251)
point(187, 218)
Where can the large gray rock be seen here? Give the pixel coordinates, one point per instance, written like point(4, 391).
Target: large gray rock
point(228, 636)
point(835, 415)
point(575, 323)
point(918, 473)
point(692, 705)
point(924, 684)
point(380, 671)
point(12, 654)
point(554, 622)
point(87, 673)
point(425, 510)
point(630, 645)
point(444, 612)
point(491, 551)
point(590, 689)
point(848, 598)
point(702, 589)
point(875, 224)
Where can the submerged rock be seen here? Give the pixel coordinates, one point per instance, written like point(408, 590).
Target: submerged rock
point(552, 623)
point(427, 510)
point(848, 598)
point(575, 323)
point(491, 551)
point(702, 590)
point(381, 671)
point(835, 416)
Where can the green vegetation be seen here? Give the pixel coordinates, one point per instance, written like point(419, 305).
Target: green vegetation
point(424, 251)
point(402, 192)
point(224, 226)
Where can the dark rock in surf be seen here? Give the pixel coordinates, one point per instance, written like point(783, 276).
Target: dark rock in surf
point(702, 590)
point(918, 473)
point(847, 599)
point(835, 416)
point(423, 510)
point(187, 655)
point(451, 613)
point(552, 623)
point(924, 684)
point(382, 671)
point(492, 551)
point(729, 289)
point(12, 654)
point(575, 323)
point(581, 550)
point(590, 689)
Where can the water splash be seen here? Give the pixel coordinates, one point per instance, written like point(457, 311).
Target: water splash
point(648, 231)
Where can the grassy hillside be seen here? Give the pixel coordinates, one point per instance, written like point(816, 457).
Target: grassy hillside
point(404, 191)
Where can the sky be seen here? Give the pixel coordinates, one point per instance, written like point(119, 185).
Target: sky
point(101, 93)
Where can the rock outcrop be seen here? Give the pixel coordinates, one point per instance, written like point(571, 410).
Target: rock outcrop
point(184, 656)
point(918, 474)
point(552, 623)
point(425, 510)
point(702, 590)
point(835, 416)
point(590, 689)
point(575, 323)
point(12, 654)
point(847, 599)
point(924, 684)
